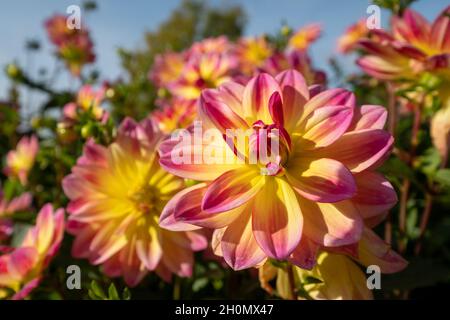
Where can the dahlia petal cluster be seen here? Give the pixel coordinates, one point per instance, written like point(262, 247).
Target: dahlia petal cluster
point(20, 161)
point(321, 187)
point(74, 46)
point(117, 193)
point(21, 268)
point(412, 47)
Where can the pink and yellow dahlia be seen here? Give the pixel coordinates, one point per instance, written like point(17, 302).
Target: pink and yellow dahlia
point(175, 114)
point(167, 68)
point(117, 194)
point(21, 268)
point(201, 72)
point(352, 35)
point(252, 53)
point(320, 186)
point(20, 161)
point(413, 46)
point(74, 46)
point(336, 275)
point(303, 37)
point(88, 100)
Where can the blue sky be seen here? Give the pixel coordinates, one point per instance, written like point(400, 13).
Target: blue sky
point(120, 23)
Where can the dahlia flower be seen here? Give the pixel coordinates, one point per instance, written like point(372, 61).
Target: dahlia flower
point(413, 46)
point(203, 71)
point(318, 185)
point(21, 268)
point(20, 161)
point(167, 68)
point(352, 35)
point(116, 196)
point(74, 46)
point(88, 100)
point(252, 53)
point(304, 36)
point(7, 208)
point(175, 114)
point(337, 275)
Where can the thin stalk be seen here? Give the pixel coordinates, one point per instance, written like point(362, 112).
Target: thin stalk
point(291, 278)
point(424, 222)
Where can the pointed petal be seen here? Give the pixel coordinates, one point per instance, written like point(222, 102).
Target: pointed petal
point(331, 224)
point(324, 180)
point(305, 254)
point(359, 150)
point(277, 220)
point(374, 195)
point(325, 125)
point(239, 247)
point(374, 251)
point(232, 189)
point(256, 97)
point(369, 117)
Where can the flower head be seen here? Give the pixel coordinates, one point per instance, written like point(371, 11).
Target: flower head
point(352, 35)
point(414, 46)
point(318, 182)
point(252, 53)
point(20, 161)
point(88, 100)
point(74, 46)
point(21, 269)
point(175, 114)
point(117, 194)
point(304, 36)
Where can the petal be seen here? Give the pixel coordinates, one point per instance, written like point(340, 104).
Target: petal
point(232, 189)
point(331, 224)
point(184, 157)
point(324, 180)
point(239, 247)
point(167, 219)
point(219, 113)
point(333, 97)
point(369, 117)
point(188, 211)
point(359, 150)
point(276, 109)
point(374, 195)
point(256, 97)
point(374, 251)
point(325, 125)
point(277, 220)
point(440, 32)
point(305, 254)
point(295, 93)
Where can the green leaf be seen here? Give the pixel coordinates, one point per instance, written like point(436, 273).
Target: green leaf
point(311, 280)
point(199, 284)
point(97, 291)
point(126, 294)
point(443, 177)
point(112, 292)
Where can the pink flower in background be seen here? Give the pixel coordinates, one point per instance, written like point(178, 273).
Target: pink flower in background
point(252, 53)
point(7, 208)
point(174, 114)
point(320, 187)
point(116, 196)
point(413, 46)
point(167, 68)
point(348, 41)
point(22, 268)
point(88, 100)
point(20, 161)
point(74, 46)
point(303, 37)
